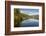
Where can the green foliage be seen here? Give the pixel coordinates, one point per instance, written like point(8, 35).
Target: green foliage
point(17, 11)
point(17, 18)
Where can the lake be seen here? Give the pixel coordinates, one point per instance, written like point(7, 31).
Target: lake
point(30, 23)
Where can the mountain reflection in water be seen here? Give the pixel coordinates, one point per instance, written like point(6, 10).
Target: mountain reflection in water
point(30, 23)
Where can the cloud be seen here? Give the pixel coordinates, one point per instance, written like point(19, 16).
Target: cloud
point(29, 12)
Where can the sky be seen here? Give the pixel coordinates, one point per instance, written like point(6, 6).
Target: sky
point(30, 11)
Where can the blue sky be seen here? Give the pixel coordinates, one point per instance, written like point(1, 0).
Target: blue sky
point(30, 11)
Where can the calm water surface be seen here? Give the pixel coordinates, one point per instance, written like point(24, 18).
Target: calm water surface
point(30, 23)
